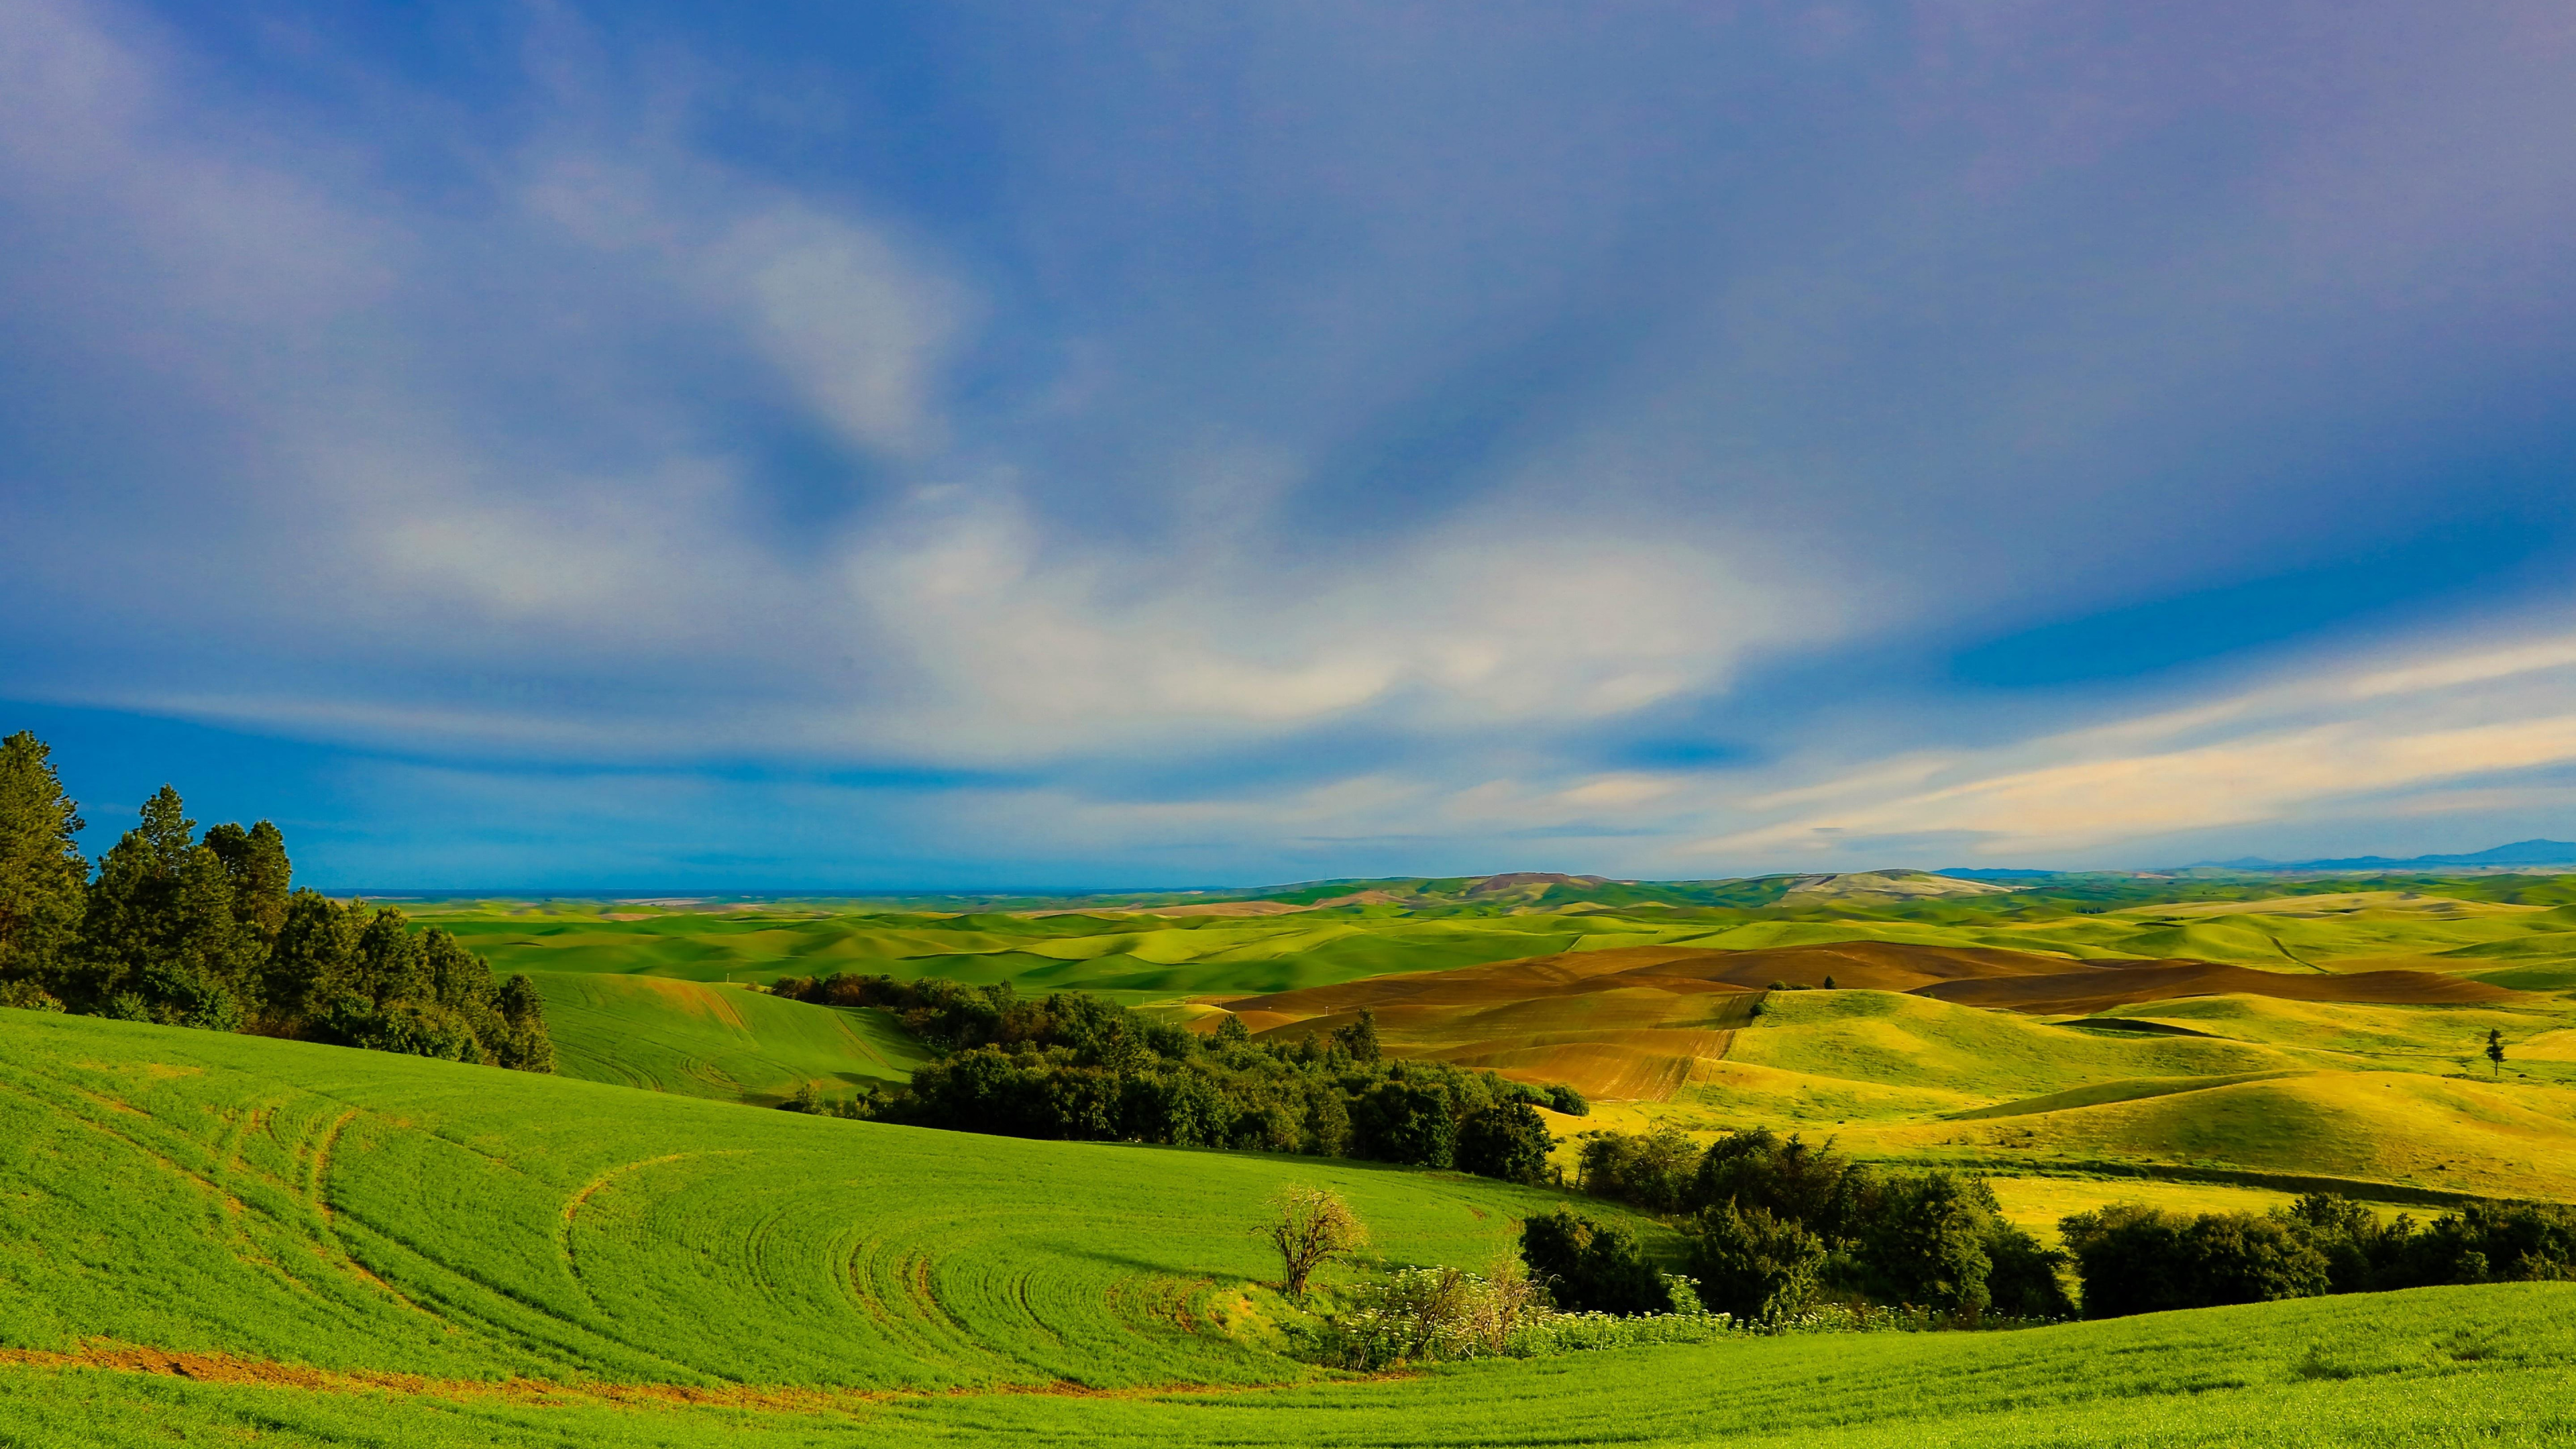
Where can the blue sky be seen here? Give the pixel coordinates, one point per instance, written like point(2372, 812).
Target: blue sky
point(960, 445)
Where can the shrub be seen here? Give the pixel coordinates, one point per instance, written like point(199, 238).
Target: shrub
point(1785, 1177)
point(1921, 1239)
point(1752, 1265)
point(2139, 1260)
point(1403, 1121)
point(1592, 1267)
point(1653, 1171)
point(1508, 1141)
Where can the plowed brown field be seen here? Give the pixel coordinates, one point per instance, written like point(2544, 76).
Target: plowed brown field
point(1636, 1022)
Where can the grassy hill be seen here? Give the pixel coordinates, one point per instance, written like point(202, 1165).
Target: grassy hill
point(227, 1239)
point(671, 1035)
point(366, 1213)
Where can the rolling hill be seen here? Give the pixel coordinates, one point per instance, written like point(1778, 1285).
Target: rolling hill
point(214, 1238)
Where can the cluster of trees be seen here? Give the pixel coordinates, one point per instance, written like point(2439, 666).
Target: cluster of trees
point(208, 931)
point(1078, 1067)
point(1775, 1224)
point(2139, 1260)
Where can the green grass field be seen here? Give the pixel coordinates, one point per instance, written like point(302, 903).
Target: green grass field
point(670, 1035)
point(226, 1239)
point(2484, 1366)
point(362, 1212)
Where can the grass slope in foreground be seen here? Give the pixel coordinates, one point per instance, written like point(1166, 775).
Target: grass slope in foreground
point(2486, 1366)
point(362, 1212)
point(354, 1248)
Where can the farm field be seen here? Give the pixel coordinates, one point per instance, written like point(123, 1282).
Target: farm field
point(667, 1034)
point(2325, 1034)
point(2517, 931)
point(2442, 1366)
point(362, 1212)
point(222, 1237)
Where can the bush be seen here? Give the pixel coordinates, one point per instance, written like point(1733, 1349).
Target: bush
point(1592, 1267)
point(1402, 1121)
point(1653, 1171)
point(1753, 1266)
point(2023, 1278)
point(1921, 1239)
point(1508, 1141)
point(1787, 1178)
point(2140, 1260)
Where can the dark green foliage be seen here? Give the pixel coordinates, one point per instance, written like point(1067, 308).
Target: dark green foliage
point(2141, 1260)
point(1785, 1177)
point(255, 865)
point(1777, 1219)
point(1920, 1240)
point(1359, 1038)
point(2137, 1260)
point(2022, 1277)
point(1080, 1067)
point(1592, 1267)
point(207, 932)
point(1231, 1032)
point(1404, 1121)
point(1753, 1265)
point(1569, 1101)
point(43, 877)
point(1508, 1141)
point(1653, 1171)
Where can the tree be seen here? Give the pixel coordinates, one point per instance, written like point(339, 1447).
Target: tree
point(256, 865)
point(1757, 1267)
point(1231, 1032)
point(1921, 1239)
point(1407, 1122)
point(1310, 1226)
point(1565, 1099)
point(1509, 1141)
point(159, 931)
point(1360, 1037)
point(1594, 1267)
point(43, 876)
point(527, 1047)
point(2495, 1051)
point(1786, 1177)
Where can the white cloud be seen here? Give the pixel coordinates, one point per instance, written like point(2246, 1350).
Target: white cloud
point(2318, 741)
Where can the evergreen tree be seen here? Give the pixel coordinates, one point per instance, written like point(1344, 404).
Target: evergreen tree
point(158, 937)
point(43, 876)
point(255, 862)
point(2495, 1051)
point(528, 1047)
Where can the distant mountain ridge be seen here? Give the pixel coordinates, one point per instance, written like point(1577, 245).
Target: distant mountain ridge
point(2521, 852)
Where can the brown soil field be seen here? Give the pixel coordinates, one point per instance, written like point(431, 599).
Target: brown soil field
point(1638, 1022)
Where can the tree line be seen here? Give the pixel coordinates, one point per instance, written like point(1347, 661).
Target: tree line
point(1774, 1225)
point(1079, 1067)
point(208, 931)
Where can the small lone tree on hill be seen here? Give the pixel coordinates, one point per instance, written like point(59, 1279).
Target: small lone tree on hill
point(1310, 1226)
point(2495, 1051)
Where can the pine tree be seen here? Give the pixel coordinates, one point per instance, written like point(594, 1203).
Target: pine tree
point(2495, 1051)
point(43, 876)
point(255, 862)
point(158, 939)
